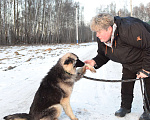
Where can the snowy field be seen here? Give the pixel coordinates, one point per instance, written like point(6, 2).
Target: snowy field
point(23, 67)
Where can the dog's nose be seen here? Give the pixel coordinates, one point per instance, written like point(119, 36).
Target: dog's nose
point(79, 63)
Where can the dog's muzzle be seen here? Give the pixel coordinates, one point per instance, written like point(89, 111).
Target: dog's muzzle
point(79, 63)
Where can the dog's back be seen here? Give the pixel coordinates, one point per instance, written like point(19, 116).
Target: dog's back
point(49, 92)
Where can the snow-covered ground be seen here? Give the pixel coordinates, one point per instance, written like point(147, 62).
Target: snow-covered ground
point(23, 67)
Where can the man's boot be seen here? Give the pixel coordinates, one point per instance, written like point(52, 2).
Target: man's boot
point(122, 112)
point(145, 116)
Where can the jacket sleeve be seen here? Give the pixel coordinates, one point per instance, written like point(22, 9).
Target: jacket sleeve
point(138, 36)
point(100, 59)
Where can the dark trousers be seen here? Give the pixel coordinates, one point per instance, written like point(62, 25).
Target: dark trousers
point(127, 89)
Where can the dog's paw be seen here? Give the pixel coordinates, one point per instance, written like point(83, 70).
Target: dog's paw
point(90, 68)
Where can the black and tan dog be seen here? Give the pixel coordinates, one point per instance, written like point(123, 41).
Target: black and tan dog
point(55, 91)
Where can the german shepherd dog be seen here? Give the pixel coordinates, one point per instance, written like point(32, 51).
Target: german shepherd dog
point(55, 91)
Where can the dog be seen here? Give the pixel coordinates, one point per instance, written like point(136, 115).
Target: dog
point(55, 90)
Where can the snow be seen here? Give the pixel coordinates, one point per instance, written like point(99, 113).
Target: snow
point(90, 100)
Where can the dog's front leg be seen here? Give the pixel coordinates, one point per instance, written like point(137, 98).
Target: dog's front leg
point(65, 102)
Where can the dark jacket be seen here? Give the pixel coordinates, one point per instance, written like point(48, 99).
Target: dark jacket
point(131, 45)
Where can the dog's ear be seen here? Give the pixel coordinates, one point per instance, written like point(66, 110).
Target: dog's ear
point(68, 61)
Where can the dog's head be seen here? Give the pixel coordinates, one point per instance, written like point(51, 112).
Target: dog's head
point(70, 62)
point(73, 59)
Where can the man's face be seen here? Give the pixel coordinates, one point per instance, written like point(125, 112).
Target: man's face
point(104, 35)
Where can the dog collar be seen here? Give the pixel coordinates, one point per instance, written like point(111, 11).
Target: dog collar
point(68, 73)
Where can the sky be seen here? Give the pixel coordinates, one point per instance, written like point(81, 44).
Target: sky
point(91, 5)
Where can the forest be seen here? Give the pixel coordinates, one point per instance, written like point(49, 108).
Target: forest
point(31, 22)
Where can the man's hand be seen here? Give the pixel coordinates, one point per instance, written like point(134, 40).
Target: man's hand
point(90, 62)
point(142, 75)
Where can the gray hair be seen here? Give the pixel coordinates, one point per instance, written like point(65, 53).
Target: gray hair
point(101, 21)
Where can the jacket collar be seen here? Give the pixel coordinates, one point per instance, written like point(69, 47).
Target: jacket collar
point(109, 44)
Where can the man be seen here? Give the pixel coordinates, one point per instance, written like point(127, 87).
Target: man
point(125, 40)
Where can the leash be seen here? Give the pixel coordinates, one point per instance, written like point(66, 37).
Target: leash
point(128, 80)
point(143, 89)
point(104, 80)
point(145, 98)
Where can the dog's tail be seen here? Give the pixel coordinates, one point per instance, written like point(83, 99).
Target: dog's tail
point(19, 116)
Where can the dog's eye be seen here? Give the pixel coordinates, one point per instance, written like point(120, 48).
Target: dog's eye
point(68, 61)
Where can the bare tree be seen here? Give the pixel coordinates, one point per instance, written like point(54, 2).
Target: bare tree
point(113, 8)
point(0, 22)
point(40, 22)
point(148, 12)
